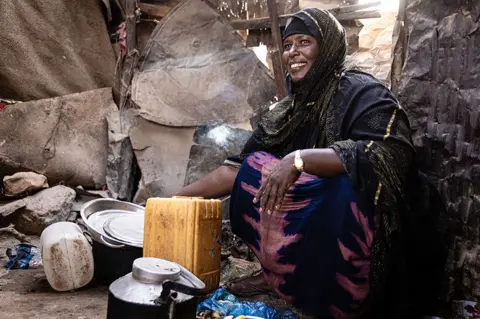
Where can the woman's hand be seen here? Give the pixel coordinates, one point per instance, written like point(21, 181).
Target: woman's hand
point(279, 180)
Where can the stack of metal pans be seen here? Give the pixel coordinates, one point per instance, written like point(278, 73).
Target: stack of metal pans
point(115, 222)
point(116, 229)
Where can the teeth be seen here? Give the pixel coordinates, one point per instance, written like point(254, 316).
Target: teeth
point(297, 65)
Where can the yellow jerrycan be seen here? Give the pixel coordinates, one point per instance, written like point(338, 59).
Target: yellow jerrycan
point(188, 231)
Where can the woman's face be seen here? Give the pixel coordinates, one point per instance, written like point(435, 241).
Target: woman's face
point(299, 53)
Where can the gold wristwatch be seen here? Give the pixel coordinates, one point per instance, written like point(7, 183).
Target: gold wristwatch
point(298, 162)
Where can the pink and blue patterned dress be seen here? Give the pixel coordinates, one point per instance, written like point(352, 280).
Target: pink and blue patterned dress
point(315, 251)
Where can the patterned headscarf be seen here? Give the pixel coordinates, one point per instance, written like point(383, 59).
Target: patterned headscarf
point(314, 94)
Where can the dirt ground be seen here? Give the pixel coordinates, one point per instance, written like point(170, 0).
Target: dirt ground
point(27, 294)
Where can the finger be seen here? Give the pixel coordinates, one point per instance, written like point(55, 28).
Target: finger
point(264, 197)
point(260, 191)
point(270, 206)
point(279, 197)
point(285, 195)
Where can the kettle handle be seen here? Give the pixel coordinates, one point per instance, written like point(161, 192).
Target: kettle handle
point(197, 290)
point(196, 282)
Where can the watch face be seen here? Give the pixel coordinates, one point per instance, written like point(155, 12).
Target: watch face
point(298, 162)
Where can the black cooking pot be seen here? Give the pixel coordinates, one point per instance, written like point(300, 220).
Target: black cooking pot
point(112, 262)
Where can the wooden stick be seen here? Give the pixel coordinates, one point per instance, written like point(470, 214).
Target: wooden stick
point(354, 7)
point(368, 14)
point(15, 233)
point(278, 71)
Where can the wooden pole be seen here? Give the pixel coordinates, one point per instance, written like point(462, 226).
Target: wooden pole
point(132, 57)
point(276, 50)
point(347, 13)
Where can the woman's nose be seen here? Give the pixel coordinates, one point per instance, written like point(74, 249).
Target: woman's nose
point(292, 51)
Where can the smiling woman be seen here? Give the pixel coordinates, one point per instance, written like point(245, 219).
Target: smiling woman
point(327, 194)
point(300, 49)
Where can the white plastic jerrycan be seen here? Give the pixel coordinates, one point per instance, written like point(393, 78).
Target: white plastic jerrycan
point(67, 256)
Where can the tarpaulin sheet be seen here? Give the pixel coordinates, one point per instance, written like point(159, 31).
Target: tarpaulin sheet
point(440, 88)
point(63, 138)
point(195, 70)
point(51, 48)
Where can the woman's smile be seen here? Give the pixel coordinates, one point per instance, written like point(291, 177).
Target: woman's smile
point(297, 66)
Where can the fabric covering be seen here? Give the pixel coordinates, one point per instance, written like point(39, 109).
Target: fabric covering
point(195, 70)
point(52, 48)
point(370, 132)
point(63, 138)
point(315, 251)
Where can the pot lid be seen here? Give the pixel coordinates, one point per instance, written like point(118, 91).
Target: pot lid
point(98, 219)
point(126, 228)
point(155, 270)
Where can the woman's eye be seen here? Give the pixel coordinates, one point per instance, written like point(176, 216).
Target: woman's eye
point(287, 46)
point(305, 42)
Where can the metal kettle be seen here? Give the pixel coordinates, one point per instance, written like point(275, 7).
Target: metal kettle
point(155, 289)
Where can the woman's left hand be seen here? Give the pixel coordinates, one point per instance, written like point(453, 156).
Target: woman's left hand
point(279, 180)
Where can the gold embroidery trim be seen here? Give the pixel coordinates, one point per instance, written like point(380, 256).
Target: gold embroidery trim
point(389, 127)
point(368, 146)
point(377, 194)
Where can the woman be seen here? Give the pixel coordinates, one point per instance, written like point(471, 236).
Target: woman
point(326, 192)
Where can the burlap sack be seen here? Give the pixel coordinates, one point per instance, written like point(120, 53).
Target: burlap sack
point(53, 47)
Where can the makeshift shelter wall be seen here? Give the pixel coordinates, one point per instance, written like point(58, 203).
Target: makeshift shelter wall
point(436, 74)
point(52, 48)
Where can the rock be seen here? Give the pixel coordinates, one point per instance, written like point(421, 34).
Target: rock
point(11, 207)
point(23, 182)
point(35, 213)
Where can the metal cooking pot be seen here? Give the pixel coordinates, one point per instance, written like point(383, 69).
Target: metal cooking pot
point(155, 289)
point(113, 257)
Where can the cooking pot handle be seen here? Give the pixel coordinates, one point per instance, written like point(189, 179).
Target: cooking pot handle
point(88, 237)
point(106, 243)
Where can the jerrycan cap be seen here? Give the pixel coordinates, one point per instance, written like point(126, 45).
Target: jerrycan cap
point(155, 270)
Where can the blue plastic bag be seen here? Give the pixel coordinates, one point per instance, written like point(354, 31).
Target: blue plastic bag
point(23, 256)
point(227, 304)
